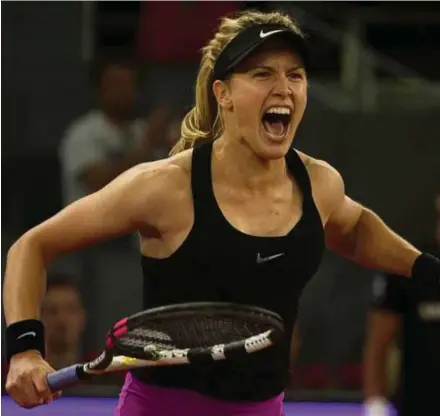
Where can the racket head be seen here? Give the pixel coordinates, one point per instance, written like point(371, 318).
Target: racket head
point(181, 333)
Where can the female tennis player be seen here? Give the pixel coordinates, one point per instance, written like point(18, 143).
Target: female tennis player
point(235, 214)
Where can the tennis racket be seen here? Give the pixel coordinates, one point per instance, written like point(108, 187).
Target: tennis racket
point(178, 334)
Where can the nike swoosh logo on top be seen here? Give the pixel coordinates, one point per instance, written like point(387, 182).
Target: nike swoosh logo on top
point(265, 35)
point(265, 259)
point(26, 334)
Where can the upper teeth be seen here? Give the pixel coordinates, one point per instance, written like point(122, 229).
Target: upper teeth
point(278, 110)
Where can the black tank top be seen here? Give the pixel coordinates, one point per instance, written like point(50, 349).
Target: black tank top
point(219, 263)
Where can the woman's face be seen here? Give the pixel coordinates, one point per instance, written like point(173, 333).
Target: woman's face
point(265, 99)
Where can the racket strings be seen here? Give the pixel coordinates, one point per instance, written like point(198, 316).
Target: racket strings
point(140, 337)
point(210, 332)
point(191, 332)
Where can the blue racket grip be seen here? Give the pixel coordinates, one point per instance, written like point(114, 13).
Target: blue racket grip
point(64, 377)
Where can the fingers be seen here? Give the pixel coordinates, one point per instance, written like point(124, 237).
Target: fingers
point(57, 395)
point(23, 391)
point(42, 387)
point(30, 389)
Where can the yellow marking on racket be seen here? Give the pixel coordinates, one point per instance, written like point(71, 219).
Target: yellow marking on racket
point(128, 360)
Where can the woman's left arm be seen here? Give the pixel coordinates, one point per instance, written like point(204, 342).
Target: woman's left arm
point(359, 234)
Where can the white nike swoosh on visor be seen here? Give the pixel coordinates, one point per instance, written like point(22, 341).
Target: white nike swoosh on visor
point(265, 35)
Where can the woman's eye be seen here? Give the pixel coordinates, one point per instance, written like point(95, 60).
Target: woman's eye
point(296, 75)
point(262, 74)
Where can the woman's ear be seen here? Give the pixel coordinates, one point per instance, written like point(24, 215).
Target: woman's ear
point(222, 94)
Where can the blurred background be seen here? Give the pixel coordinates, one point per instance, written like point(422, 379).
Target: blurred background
point(85, 84)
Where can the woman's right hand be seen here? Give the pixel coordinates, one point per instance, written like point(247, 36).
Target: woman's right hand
point(27, 380)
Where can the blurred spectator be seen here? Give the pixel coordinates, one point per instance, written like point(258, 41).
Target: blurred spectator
point(107, 140)
point(402, 343)
point(403, 314)
point(170, 134)
point(64, 319)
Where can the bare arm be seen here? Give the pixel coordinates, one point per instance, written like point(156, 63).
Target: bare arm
point(359, 234)
point(117, 209)
point(382, 328)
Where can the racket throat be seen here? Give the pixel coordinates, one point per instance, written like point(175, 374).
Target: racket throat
point(99, 364)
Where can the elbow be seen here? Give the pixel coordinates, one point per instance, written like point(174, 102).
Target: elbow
point(27, 246)
point(16, 248)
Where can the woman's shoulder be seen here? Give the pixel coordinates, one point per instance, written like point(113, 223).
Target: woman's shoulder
point(323, 176)
point(167, 173)
point(153, 187)
point(314, 165)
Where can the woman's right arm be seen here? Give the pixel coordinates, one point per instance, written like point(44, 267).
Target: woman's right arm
point(115, 210)
point(119, 208)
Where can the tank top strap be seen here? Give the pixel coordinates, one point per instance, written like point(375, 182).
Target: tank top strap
point(201, 180)
point(298, 169)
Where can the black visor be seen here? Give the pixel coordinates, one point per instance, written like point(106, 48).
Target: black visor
point(251, 38)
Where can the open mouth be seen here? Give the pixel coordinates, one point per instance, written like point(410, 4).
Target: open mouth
point(276, 121)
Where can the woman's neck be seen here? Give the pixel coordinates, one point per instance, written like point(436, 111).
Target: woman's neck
point(237, 162)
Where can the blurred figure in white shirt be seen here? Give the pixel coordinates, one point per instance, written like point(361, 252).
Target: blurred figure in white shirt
point(107, 140)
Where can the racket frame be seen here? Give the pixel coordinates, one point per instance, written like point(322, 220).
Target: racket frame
point(107, 361)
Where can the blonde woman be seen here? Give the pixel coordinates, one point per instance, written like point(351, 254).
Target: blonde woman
point(242, 217)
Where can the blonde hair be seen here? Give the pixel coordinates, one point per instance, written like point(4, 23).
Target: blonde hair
point(203, 121)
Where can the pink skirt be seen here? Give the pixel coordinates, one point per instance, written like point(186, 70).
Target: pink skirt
point(140, 399)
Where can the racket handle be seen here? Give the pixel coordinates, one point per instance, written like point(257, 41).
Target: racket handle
point(64, 377)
